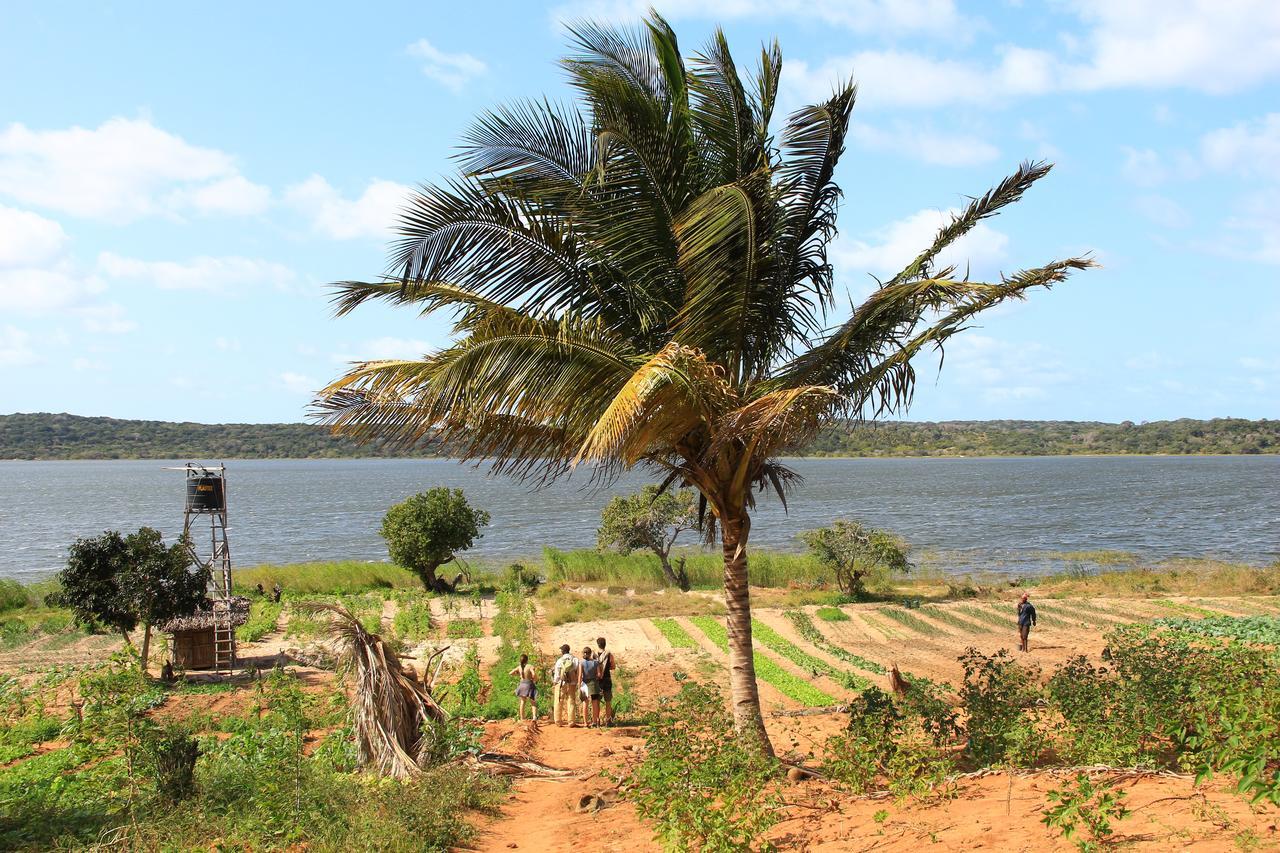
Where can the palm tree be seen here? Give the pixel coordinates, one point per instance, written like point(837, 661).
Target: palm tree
point(643, 280)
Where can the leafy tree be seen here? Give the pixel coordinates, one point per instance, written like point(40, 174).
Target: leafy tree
point(856, 553)
point(120, 581)
point(649, 520)
point(425, 531)
point(643, 280)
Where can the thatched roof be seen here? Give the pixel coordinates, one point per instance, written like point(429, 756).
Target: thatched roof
point(204, 617)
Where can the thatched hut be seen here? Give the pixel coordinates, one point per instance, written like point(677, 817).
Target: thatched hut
point(193, 639)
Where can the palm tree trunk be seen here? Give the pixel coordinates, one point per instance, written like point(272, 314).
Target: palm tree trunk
point(747, 718)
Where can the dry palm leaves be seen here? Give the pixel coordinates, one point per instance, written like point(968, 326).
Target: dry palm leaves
point(390, 705)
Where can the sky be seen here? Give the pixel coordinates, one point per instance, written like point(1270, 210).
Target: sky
point(179, 183)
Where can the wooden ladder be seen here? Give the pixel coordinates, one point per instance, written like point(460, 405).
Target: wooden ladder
point(224, 638)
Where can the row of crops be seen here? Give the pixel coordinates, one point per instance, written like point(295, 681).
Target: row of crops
point(1261, 630)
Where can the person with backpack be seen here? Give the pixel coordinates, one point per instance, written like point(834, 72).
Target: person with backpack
point(605, 660)
point(527, 689)
point(564, 682)
point(589, 675)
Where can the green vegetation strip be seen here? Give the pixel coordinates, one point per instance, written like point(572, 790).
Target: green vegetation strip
point(767, 671)
point(774, 641)
point(806, 629)
point(832, 614)
point(946, 617)
point(912, 622)
point(675, 635)
point(1263, 630)
point(1183, 609)
point(991, 620)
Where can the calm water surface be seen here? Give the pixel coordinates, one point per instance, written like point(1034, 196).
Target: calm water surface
point(975, 513)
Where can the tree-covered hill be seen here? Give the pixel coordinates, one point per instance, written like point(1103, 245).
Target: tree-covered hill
point(47, 436)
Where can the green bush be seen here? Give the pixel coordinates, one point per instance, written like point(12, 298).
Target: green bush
point(264, 615)
point(1089, 805)
point(701, 785)
point(998, 697)
point(413, 622)
point(12, 595)
point(468, 629)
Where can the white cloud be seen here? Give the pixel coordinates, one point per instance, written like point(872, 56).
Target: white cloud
point(1003, 371)
point(28, 239)
point(370, 215)
point(120, 171)
point(1201, 45)
point(926, 144)
point(891, 248)
point(201, 273)
point(861, 16)
point(82, 364)
point(15, 347)
point(35, 290)
point(452, 70)
point(226, 344)
point(108, 319)
point(234, 196)
point(298, 383)
point(1249, 148)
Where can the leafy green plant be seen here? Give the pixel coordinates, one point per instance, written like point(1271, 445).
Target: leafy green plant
point(1262, 630)
point(905, 743)
point(793, 688)
point(469, 629)
point(677, 636)
point(832, 614)
point(775, 642)
point(1085, 808)
point(413, 622)
point(264, 615)
point(703, 788)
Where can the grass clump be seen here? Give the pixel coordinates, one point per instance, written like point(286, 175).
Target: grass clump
point(832, 614)
point(345, 577)
point(13, 595)
point(677, 636)
point(793, 688)
point(705, 570)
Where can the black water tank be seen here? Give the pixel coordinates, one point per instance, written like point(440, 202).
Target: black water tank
point(205, 494)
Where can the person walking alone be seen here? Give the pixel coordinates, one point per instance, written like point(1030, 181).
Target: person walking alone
point(1026, 620)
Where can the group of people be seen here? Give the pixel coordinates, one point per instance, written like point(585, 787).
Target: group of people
point(581, 685)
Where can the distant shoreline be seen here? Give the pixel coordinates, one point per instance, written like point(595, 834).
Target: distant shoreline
point(58, 437)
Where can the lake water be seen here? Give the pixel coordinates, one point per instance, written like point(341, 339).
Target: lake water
point(973, 514)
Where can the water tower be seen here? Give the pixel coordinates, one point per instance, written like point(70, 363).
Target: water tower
point(207, 638)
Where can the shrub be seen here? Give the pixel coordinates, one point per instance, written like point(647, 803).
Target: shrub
point(703, 787)
point(413, 622)
point(998, 697)
point(464, 629)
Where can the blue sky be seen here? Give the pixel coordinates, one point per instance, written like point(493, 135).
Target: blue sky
point(178, 183)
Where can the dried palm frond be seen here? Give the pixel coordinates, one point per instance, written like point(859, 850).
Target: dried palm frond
point(390, 705)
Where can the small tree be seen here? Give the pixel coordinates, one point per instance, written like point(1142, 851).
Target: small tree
point(424, 532)
point(857, 553)
point(159, 583)
point(650, 521)
point(120, 581)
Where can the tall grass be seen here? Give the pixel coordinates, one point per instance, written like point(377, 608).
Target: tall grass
point(332, 578)
point(706, 569)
